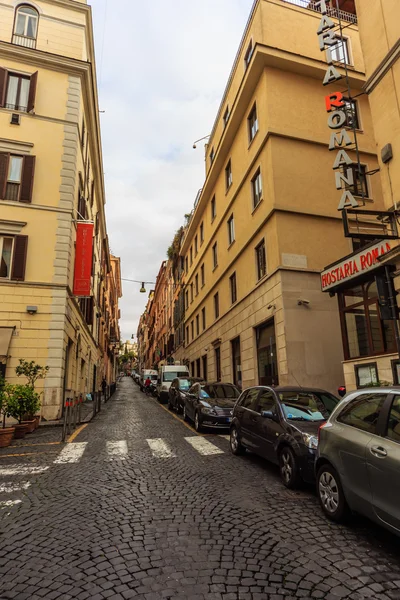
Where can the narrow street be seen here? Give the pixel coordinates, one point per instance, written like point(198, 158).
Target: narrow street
point(139, 506)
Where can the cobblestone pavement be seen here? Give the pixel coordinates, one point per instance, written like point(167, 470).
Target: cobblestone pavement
point(131, 509)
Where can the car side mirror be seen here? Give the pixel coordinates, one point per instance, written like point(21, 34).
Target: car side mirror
point(268, 414)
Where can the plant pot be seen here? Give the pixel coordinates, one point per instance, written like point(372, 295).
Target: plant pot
point(20, 431)
point(37, 421)
point(31, 424)
point(6, 435)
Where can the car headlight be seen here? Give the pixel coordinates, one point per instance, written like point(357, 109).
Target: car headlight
point(311, 441)
point(208, 411)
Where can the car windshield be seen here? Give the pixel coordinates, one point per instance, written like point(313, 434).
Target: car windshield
point(170, 375)
point(153, 377)
point(303, 406)
point(184, 384)
point(225, 391)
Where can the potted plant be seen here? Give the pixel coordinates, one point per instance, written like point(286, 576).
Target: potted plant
point(19, 399)
point(32, 371)
point(6, 433)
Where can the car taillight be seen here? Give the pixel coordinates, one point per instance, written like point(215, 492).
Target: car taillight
point(319, 431)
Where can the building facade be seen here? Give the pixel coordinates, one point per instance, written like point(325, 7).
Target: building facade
point(51, 178)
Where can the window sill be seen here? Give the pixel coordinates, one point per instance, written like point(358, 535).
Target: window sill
point(262, 279)
point(231, 244)
point(227, 189)
point(257, 205)
point(252, 139)
point(216, 267)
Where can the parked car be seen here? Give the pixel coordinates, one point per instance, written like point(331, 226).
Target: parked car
point(178, 390)
point(166, 374)
point(281, 424)
point(358, 463)
point(210, 405)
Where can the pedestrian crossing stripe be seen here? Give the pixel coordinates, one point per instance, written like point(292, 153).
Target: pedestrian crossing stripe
point(117, 450)
point(72, 453)
point(203, 446)
point(160, 448)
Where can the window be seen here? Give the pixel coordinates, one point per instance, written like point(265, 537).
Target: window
point(212, 156)
point(195, 245)
point(186, 265)
point(228, 175)
point(256, 186)
point(17, 96)
point(192, 329)
point(393, 430)
point(198, 368)
point(249, 398)
point(187, 334)
point(360, 185)
point(366, 375)
point(340, 52)
point(187, 299)
point(203, 318)
point(6, 247)
point(25, 27)
point(13, 257)
point(249, 54)
point(261, 260)
point(197, 327)
point(267, 355)
point(193, 375)
point(215, 255)
point(252, 122)
point(201, 233)
point(87, 305)
point(204, 360)
point(364, 332)
point(231, 230)
point(351, 110)
point(363, 412)
point(213, 208)
point(196, 284)
point(202, 275)
point(232, 285)
point(216, 305)
point(265, 401)
point(218, 363)
point(191, 255)
point(191, 292)
point(226, 116)
point(16, 177)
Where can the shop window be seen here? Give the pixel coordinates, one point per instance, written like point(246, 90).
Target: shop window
point(364, 332)
point(266, 355)
point(366, 375)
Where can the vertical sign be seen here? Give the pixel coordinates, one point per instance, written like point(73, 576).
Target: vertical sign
point(83, 259)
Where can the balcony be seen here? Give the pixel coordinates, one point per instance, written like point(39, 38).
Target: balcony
point(23, 40)
point(348, 17)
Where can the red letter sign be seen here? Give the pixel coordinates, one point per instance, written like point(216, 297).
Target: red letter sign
point(335, 99)
point(83, 259)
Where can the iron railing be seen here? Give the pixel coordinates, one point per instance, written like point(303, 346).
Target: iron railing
point(332, 11)
point(23, 40)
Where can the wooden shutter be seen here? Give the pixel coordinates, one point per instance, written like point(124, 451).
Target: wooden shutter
point(3, 81)
point(89, 310)
point(32, 92)
point(28, 171)
point(19, 258)
point(4, 160)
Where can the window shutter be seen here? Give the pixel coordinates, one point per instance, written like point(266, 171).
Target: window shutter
point(3, 80)
point(4, 159)
point(27, 179)
point(32, 92)
point(19, 258)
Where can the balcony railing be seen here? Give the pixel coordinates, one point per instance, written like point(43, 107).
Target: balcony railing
point(332, 11)
point(23, 40)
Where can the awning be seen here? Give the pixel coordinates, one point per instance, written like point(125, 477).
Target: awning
point(5, 338)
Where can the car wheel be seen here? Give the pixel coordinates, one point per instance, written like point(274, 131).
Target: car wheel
point(197, 422)
point(330, 494)
point(185, 417)
point(236, 447)
point(288, 468)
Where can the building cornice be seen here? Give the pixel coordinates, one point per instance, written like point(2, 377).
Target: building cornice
point(383, 68)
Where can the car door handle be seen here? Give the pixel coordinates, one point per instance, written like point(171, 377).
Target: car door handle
point(378, 451)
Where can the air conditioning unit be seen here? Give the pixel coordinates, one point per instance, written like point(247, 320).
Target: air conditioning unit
point(15, 119)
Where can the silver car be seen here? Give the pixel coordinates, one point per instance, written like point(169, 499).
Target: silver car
point(358, 461)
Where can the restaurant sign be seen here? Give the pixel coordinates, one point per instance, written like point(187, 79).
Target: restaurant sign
point(353, 266)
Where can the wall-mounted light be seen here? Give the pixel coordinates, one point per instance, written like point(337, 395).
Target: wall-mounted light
point(271, 306)
point(32, 310)
point(302, 302)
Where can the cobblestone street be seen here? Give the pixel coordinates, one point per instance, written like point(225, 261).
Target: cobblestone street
point(139, 506)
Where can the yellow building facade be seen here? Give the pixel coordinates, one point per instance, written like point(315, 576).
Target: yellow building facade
point(266, 222)
point(51, 177)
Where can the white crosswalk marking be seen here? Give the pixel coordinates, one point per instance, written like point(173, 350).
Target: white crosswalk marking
point(9, 488)
point(203, 446)
point(8, 503)
point(21, 470)
point(117, 450)
point(160, 449)
point(71, 453)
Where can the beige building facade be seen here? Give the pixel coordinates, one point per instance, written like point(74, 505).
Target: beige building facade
point(51, 177)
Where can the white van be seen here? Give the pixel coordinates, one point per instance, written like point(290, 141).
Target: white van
point(147, 373)
point(166, 375)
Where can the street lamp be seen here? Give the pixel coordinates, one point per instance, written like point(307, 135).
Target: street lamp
point(142, 289)
point(203, 138)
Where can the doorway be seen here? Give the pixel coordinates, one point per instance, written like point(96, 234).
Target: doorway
point(236, 362)
point(266, 354)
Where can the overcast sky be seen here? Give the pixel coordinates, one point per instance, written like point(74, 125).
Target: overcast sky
point(162, 67)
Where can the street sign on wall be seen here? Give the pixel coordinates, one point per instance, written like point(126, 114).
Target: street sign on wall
point(83, 259)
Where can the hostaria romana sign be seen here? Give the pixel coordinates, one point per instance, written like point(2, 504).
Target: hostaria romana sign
point(336, 107)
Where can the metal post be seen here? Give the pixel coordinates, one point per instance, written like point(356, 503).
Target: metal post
point(393, 306)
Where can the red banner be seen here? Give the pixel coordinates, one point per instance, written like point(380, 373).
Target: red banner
point(83, 259)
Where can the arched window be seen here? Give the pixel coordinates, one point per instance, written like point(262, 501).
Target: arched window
point(26, 26)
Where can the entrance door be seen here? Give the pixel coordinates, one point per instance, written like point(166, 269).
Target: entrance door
point(266, 354)
point(204, 367)
point(236, 363)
